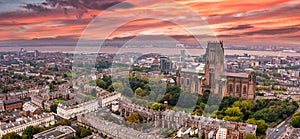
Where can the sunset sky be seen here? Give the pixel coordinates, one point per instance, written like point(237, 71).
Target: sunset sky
point(235, 21)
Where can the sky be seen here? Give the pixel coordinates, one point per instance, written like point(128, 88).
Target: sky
point(59, 22)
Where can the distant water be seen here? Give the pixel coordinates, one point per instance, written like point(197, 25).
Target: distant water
point(164, 51)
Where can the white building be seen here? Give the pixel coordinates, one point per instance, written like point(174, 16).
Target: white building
point(115, 106)
point(108, 98)
point(211, 134)
point(59, 132)
point(19, 126)
point(222, 133)
point(68, 112)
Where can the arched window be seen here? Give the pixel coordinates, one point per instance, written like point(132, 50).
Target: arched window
point(244, 89)
point(230, 87)
point(237, 88)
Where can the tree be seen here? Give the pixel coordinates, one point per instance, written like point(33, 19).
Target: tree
point(233, 118)
point(53, 108)
point(51, 86)
point(227, 102)
point(234, 111)
point(101, 83)
point(30, 131)
point(85, 132)
point(251, 121)
point(134, 117)
point(94, 92)
point(295, 121)
point(63, 122)
point(139, 91)
point(118, 86)
point(187, 100)
point(262, 126)
point(11, 135)
point(250, 136)
point(296, 114)
point(158, 106)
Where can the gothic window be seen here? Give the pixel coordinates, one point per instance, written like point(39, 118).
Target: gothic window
point(237, 89)
point(220, 89)
point(244, 90)
point(230, 87)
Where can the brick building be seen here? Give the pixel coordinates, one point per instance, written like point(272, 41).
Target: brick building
point(12, 104)
point(211, 76)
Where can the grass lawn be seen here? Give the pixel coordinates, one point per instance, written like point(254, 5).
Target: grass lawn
point(72, 75)
point(59, 100)
point(278, 91)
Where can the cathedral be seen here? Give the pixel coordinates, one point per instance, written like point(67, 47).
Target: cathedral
point(211, 77)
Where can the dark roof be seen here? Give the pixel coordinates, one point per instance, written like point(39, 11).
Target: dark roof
point(239, 74)
point(12, 101)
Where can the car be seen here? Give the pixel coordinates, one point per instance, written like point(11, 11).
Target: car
point(277, 130)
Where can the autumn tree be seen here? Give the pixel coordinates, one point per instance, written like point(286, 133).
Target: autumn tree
point(134, 117)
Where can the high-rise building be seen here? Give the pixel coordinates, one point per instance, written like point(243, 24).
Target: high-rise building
point(36, 53)
point(182, 55)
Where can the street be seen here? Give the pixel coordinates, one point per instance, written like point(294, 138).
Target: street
point(281, 128)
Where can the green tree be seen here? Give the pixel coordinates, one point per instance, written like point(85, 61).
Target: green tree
point(139, 91)
point(63, 122)
point(30, 131)
point(118, 86)
point(250, 136)
point(262, 126)
point(85, 132)
point(234, 111)
point(11, 135)
point(187, 100)
point(158, 106)
point(51, 86)
point(53, 108)
point(233, 119)
point(101, 83)
point(251, 121)
point(295, 122)
point(296, 114)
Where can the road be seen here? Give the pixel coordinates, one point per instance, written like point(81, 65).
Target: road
point(281, 127)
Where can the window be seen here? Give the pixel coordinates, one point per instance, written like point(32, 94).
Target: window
point(244, 90)
point(237, 89)
point(230, 87)
point(220, 89)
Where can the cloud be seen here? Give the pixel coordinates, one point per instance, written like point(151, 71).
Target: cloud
point(36, 7)
point(229, 35)
point(240, 27)
point(273, 31)
point(84, 5)
point(58, 38)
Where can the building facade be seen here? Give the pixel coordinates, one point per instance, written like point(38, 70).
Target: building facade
point(12, 104)
point(222, 133)
point(45, 119)
point(71, 111)
point(211, 76)
point(107, 99)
